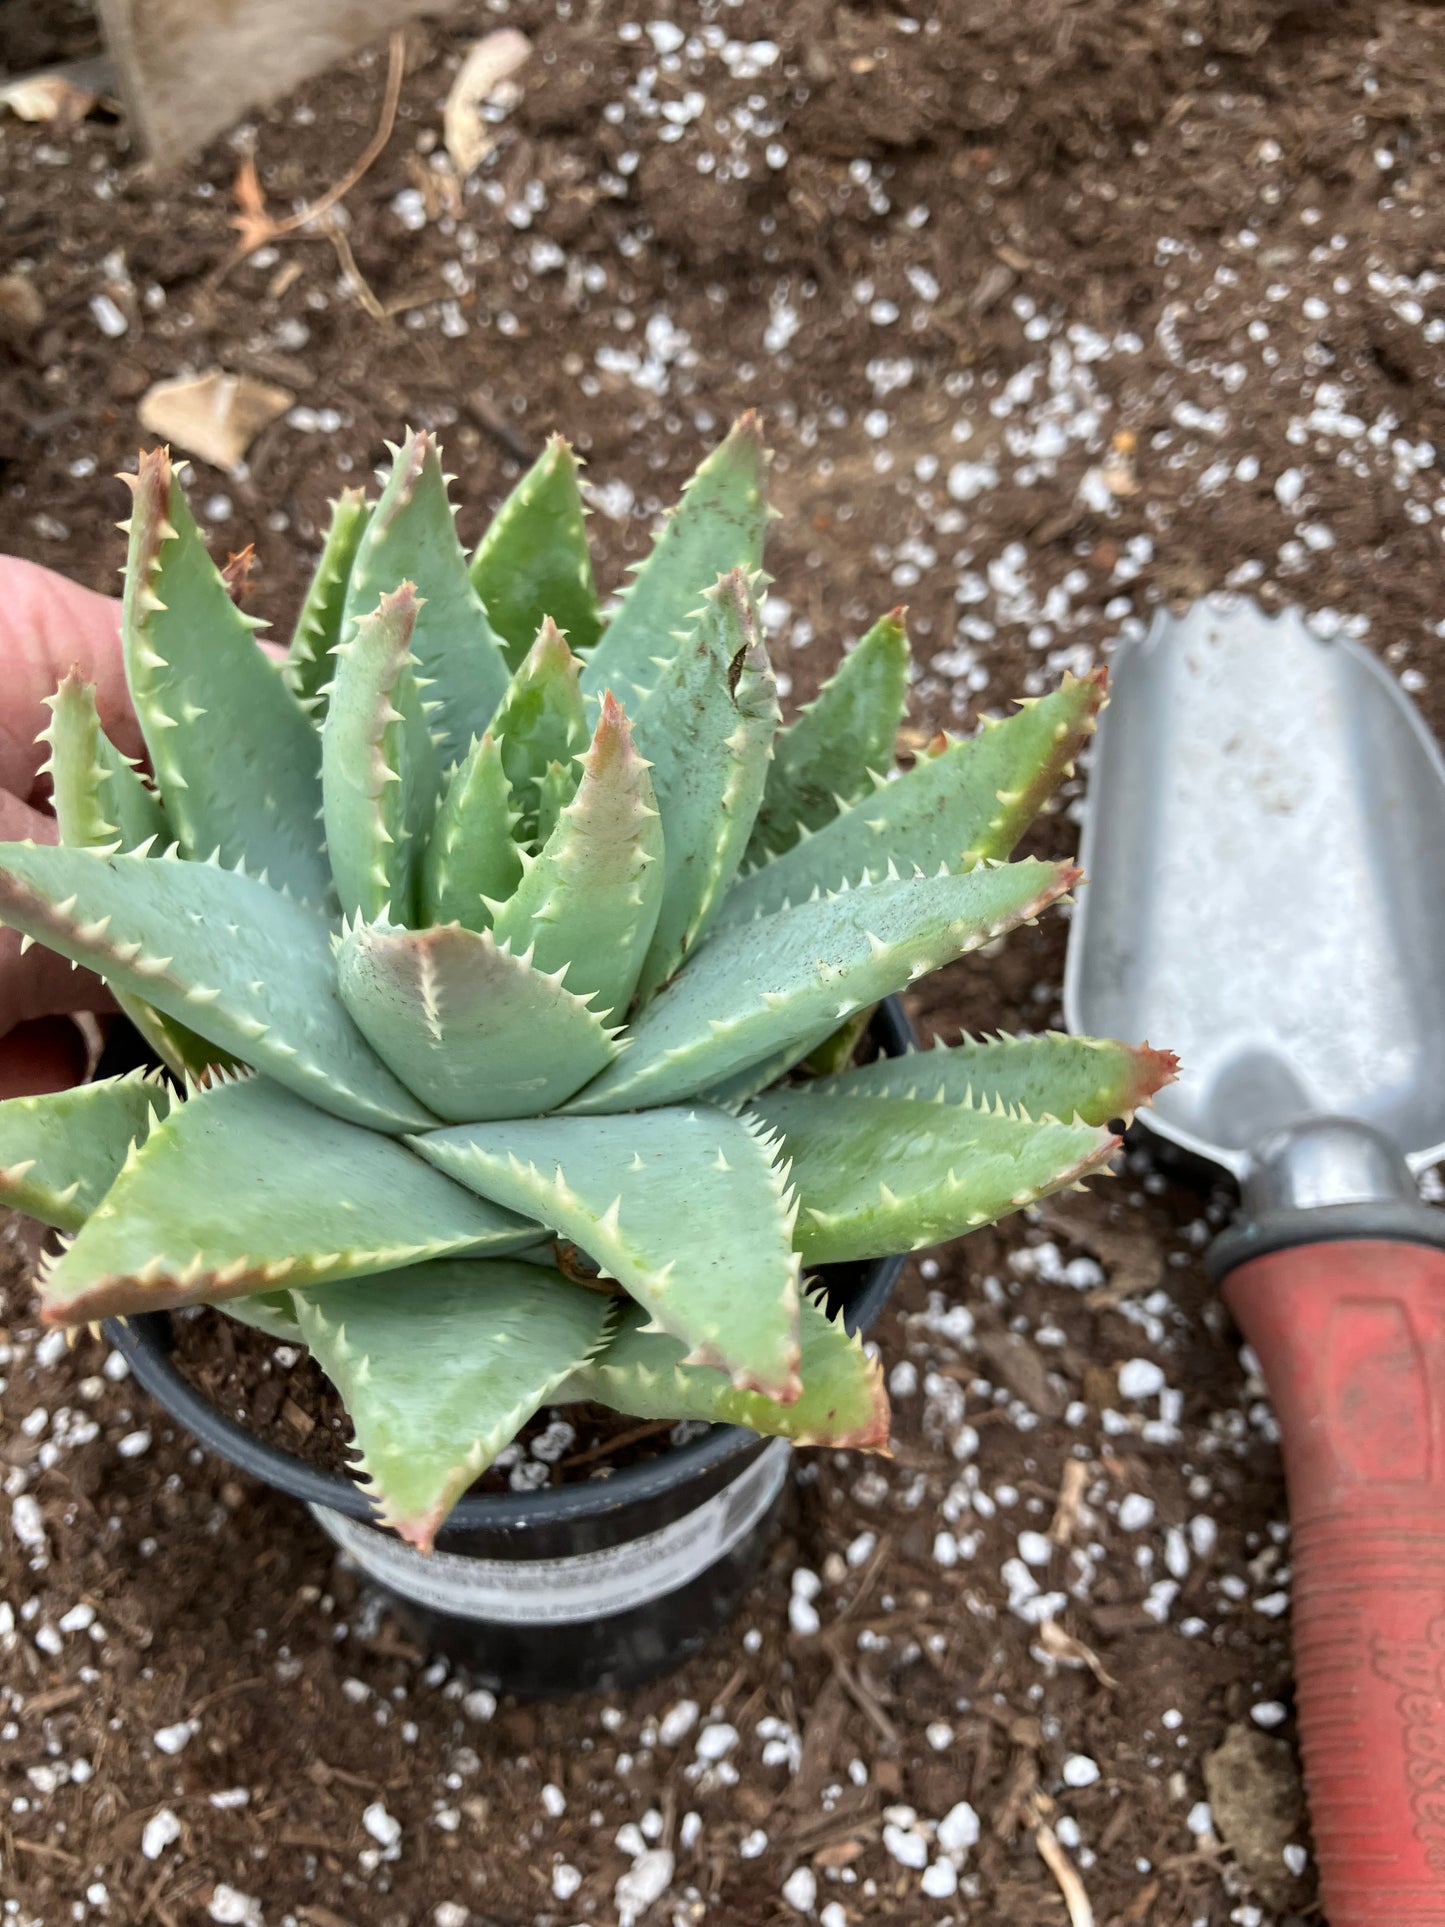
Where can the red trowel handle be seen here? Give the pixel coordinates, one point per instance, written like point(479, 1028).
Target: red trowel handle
point(1351, 1338)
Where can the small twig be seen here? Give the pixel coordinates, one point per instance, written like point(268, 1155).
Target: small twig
point(865, 1585)
point(57, 1696)
point(501, 431)
point(360, 286)
point(322, 1773)
point(1063, 1646)
point(257, 227)
point(1072, 1487)
point(371, 154)
point(150, 1904)
point(225, 1693)
point(735, 1680)
point(1081, 1913)
point(46, 1852)
point(861, 1696)
point(825, 1831)
point(600, 1451)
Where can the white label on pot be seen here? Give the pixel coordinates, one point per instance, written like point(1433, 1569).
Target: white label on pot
point(589, 1586)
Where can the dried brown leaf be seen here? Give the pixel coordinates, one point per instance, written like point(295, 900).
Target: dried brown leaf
point(251, 220)
point(215, 417)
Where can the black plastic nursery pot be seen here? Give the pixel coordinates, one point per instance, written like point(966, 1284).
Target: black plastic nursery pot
point(573, 1588)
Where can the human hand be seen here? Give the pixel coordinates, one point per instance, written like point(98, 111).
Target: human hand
point(47, 626)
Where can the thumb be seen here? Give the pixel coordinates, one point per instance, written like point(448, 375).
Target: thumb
point(38, 983)
point(47, 626)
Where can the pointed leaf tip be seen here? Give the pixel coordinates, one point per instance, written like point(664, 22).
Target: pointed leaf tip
point(412, 532)
point(234, 753)
point(842, 1400)
point(440, 1366)
point(479, 1029)
point(718, 524)
point(841, 745)
point(969, 802)
point(881, 1174)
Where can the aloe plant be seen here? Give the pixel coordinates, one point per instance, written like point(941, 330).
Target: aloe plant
point(488, 942)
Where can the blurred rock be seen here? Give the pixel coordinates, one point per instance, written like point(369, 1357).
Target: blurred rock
point(1258, 1805)
point(191, 68)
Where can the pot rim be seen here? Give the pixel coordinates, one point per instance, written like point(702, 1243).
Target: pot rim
point(143, 1341)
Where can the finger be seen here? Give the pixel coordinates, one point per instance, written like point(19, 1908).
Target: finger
point(49, 625)
point(38, 983)
point(49, 1054)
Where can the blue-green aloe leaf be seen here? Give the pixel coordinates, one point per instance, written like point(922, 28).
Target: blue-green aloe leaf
point(272, 1312)
point(688, 1208)
point(589, 903)
point(60, 1152)
point(379, 771)
point(642, 1372)
point(718, 525)
point(541, 724)
point(708, 730)
point(971, 802)
point(440, 1366)
point(834, 1052)
point(733, 1092)
point(828, 758)
point(234, 753)
point(245, 1189)
point(555, 790)
point(1052, 1075)
point(101, 802)
point(249, 969)
point(472, 855)
point(412, 537)
point(534, 562)
point(883, 1174)
point(470, 1027)
point(99, 797)
point(318, 627)
point(756, 988)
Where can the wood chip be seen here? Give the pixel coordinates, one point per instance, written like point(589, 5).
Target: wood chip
point(1081, 1913)
point(1063, 1646)
point(1068, 1513)
point(842, 1853)
point(299, 1421)
point(215, 417)
point(1017, 1365)
point(823, 1734)
point(483, 79)
point(57, 1697)
point(46, 1852)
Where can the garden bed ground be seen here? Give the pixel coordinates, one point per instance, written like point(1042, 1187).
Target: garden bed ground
point(1054, 311)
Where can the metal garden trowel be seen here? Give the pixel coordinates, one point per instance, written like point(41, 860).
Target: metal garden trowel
point(1265, 843)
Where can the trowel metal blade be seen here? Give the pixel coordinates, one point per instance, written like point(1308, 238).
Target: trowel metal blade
point(1265, 848)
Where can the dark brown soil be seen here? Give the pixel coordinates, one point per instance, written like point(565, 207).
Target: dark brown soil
point(1054, 311)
